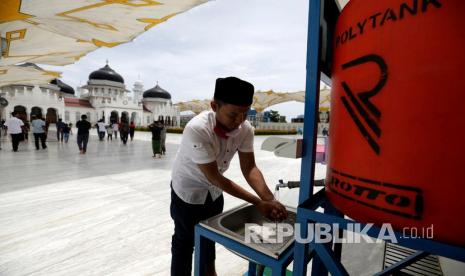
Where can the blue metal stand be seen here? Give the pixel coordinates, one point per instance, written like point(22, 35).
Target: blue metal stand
point(332, 262)
point(278, 266)
point(309, 142)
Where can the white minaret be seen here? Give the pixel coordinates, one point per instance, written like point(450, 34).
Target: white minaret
point(138, 90)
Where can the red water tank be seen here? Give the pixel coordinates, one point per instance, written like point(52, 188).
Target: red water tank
point(397, 128)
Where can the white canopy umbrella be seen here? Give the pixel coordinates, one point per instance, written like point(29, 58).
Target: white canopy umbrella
point(27, 74)
point(58, 32)
point(261, 100)
point(195, 106)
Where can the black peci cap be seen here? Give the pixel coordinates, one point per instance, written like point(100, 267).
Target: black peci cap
point(234, 91)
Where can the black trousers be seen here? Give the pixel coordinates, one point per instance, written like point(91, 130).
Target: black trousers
point(15, 139)
point(123, 136)
point(59, 135)
point(42, 138)
point(185, 217)
point(82, 140)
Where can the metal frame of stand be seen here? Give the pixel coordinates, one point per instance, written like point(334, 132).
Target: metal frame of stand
point(326, 257)
point(202, 234)
point(330, 259)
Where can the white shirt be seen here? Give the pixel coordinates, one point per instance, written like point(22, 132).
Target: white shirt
point(101, 127)
point(38, 126)
point(14, 125)
point(201, 145)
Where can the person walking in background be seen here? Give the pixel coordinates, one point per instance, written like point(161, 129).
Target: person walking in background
point(163, 139)
point(60, 126)
point(97, 129)
point(132, 129)
point(83, 127)
point(101, 130)
point(15, 126)
point(5, 132)
point(115, 129)
point(2, 122)
point(38, 130)
point(2, 128)
point(66, 131)
point(325, 132)
point(47, 126)
point(156, 128)
point(110, 132)
point(26, 129)
point(124, 130)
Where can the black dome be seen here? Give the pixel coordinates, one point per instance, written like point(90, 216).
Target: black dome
point(106, 73)
point(63, 86)
point(157, 92)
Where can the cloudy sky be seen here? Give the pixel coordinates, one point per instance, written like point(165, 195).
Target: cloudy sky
point(261, 41)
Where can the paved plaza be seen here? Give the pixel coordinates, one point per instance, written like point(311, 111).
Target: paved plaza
point(107, 212)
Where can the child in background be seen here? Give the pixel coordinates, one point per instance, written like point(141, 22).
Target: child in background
point(115, 129)
point(156, 128)
point(66, 129)
point(110, 132)
point(132, 129)
point(163, 139)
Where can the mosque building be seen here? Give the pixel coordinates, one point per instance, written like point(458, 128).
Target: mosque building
point(105, 96)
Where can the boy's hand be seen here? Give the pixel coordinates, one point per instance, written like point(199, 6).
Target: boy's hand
point(272, 210)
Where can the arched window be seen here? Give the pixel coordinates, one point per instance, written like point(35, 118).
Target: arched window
point(37, 111)
point(52, 116)
point(124, 116)
point(22, 111)
point(114, 116)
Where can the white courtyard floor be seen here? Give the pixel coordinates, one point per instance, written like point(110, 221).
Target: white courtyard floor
point(103, 213)
point(107, 212)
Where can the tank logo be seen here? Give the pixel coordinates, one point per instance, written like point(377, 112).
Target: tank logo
point(359, 105)
point(391, 198)
point(383, 17)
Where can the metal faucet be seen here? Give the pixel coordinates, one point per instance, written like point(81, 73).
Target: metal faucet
point(289, 184)
point(296, 184)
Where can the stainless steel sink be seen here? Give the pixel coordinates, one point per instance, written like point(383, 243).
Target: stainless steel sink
point(231, 224)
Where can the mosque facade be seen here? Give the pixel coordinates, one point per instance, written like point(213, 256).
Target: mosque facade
point(105, 96)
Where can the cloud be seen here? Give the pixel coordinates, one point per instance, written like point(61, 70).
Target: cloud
point(262, 41)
